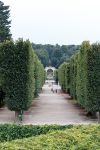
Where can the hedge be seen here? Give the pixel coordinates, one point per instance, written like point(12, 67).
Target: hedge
point(64, 76)
point(81, 78)
point(67, 78)
point(56, 76)
point(39, 75)
point(18, 64)
point(76, 138)
point(73, 72)
point(9, 132)
point(61, 76)
point(18, 73)
point(84, 76)
point(93, 78)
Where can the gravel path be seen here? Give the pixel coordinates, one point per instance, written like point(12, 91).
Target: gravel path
point(49, 108)
point(55, 108)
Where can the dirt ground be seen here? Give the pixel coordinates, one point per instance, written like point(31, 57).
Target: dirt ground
point(50, 108)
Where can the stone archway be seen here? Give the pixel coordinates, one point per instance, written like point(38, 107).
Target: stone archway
point(50, 73)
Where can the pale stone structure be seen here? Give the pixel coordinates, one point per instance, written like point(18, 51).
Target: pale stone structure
point(50, 72)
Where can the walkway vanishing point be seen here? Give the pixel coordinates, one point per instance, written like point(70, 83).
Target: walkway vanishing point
point(50, 108)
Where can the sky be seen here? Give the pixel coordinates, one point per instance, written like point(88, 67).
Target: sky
point(55, 21)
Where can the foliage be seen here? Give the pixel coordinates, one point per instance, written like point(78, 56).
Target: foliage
point(18, 71)
point(10, 132)
point(4, 22)
point(39, 76)
point(73, 74)
point(21, 74)
point(61, 76)
point(43, 56)
point(2, 96)
point(64, 76)
point(84, 76)
point(81, 78)
point(93, 78)
point(67, 78)
point(78, 137)
point(54, 55)
point(56, 76)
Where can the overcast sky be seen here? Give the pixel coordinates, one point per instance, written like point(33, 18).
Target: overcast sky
point(55, 21)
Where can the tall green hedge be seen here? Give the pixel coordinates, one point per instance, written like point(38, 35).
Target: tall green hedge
point(56, 76)
point(81, 78)
point(64, 76)
point(84, 76)
point(39, 75)
point(72, 77)
point(67, 78)
point(21, 74)
point(18, 72)
point(61, 76)
point(93, 78)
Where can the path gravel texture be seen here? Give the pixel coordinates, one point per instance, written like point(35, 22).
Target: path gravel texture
point(49, 108)
point(55, 108)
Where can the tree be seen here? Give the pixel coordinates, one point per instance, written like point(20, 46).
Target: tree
point(43, 56)
point(54, 55)
point(4, 22)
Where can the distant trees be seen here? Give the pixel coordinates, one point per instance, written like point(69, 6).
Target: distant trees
point(43, 56)
point(54, 55)
point(4, 22)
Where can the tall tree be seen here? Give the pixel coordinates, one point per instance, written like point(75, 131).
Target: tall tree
point(4, 22)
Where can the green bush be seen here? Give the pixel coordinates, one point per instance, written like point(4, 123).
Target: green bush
point(11, 132)
point(76, 138)
point(64, 76)
point(93, 79)
point(39, 75)
point(18, 74)
point(67, 78)
point(84, 77)
point(5, 58)
point(21, 74)
point(61, 76)
point(73, 72)
point(56, 76)
point(81, 78)
point(88, 77)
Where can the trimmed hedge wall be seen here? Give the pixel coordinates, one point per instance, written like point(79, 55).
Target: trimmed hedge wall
point(84, 76)
point(64, 76)
point(39, 75)
point(93, 78)
point(78, 137)
point(81, 77)
point(56, 76)
point(61, 76)
point(67, 78)
point(10, 132)
point(18, 64)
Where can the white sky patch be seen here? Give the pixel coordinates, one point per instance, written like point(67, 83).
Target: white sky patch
point(55, 21)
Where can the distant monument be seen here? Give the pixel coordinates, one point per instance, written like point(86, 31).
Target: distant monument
point(50, 72)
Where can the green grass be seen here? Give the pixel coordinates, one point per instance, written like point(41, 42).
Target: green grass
point(78, 137)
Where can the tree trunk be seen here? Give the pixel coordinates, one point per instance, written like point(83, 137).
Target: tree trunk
point(18, 116)
point(99, 117)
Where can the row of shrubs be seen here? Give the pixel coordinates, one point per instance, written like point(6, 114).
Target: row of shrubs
point(9, 132)
point(72, 137)
point(81, 76)
point(21, 74)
